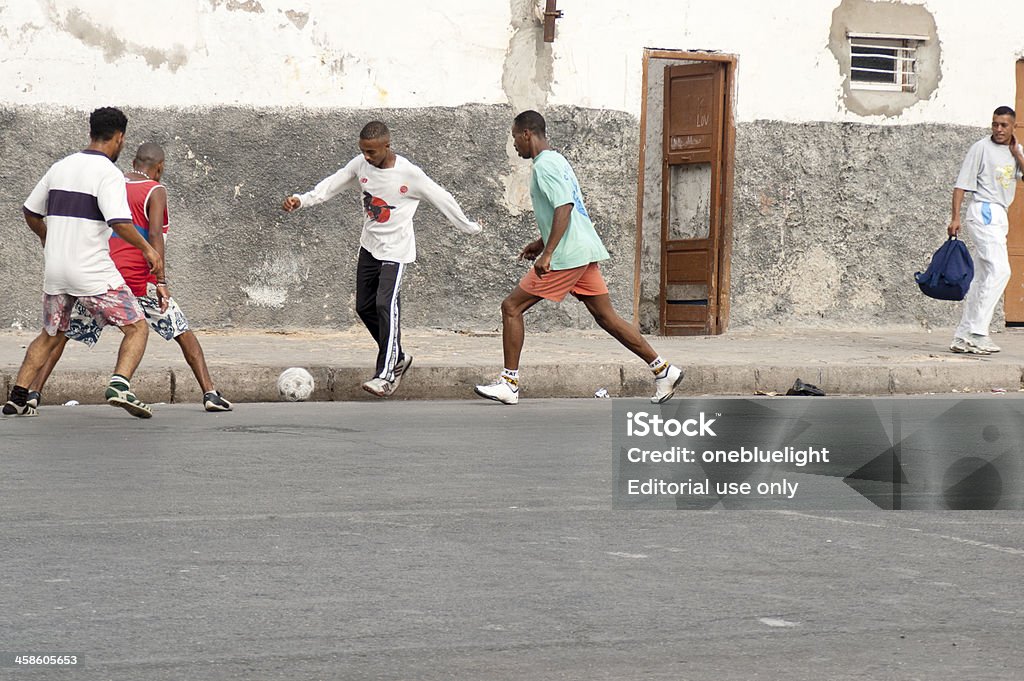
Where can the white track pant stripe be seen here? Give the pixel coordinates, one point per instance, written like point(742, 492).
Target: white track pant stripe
point(391, 357)
point(991, 267)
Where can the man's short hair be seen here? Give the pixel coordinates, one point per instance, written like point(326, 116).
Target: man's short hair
point(106, 122)
point(1004, 111)
point(374, 130)
point(532, 121)
point(149, 154)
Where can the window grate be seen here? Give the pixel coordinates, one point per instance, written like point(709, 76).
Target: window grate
point(883, 63)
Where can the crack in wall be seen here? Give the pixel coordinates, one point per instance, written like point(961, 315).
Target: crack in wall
point(526, 79)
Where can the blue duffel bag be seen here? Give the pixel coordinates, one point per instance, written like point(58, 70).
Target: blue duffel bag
point(950, 272)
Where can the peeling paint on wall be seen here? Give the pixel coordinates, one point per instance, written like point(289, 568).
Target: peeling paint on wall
point(265, 296)
point(298, 18)
point(271, 281)
point(526, 80)
point(239, 5)
point(114, 48)
point(529, 63)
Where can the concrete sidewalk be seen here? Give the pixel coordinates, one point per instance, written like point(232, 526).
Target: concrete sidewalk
point(245, 364)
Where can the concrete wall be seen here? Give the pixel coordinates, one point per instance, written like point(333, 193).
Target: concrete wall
point(257, 98)
point(235, 259)
point(833, 236)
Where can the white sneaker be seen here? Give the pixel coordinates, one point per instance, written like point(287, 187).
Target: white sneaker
point(958, 345)
point(665, 387)
point(499, 391)
point(379, 387)
point(982, 342)
point(404, 365)
point(963, 345)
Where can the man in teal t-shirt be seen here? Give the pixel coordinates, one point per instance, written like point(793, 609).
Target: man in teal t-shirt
point(566, 261)
point(554, 184)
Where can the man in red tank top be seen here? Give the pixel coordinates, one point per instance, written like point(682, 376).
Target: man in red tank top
point(147, 199)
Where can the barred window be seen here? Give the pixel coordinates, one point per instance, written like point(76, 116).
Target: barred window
point(884, 62)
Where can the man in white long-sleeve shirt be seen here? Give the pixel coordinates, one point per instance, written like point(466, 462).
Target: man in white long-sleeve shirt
point(392, 188)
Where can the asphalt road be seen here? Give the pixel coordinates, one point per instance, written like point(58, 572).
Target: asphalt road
point(460, 540)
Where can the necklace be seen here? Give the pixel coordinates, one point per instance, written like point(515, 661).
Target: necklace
point(139, 172)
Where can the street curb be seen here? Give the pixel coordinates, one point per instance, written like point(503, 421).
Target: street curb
point(343, 383)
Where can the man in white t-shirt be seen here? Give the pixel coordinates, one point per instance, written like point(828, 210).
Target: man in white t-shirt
point(392, 188)
point(72, 210)
point(989, 174)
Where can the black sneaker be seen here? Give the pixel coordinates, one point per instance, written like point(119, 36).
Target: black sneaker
point(213, 401)
point(34, 398)
point(127, 400)
point(12, 409)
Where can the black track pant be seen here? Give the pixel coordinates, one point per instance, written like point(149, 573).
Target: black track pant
point(378, 284)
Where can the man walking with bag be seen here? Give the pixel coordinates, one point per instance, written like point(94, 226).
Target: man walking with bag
point(989, 173)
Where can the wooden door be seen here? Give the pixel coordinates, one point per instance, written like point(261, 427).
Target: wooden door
point(694, 137)
point(1013, 300)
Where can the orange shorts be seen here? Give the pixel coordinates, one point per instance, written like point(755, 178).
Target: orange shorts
point(579, 281)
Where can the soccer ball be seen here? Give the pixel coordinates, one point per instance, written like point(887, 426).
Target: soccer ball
point(295, 385)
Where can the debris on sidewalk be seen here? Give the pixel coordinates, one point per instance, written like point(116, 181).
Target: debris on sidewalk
point(806, 389)
point(601, 393)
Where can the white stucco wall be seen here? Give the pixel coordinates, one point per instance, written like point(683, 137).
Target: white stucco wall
point(419, 53)
point(786, 71)
point(313, 53)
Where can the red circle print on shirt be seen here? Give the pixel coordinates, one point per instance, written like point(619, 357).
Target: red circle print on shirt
point(377, 209)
